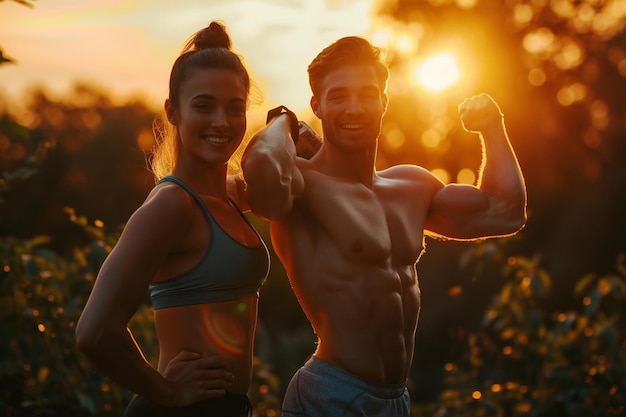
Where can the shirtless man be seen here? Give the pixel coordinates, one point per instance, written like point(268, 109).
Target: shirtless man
point(350, 236)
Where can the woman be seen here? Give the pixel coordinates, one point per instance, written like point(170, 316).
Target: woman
point(191, 247)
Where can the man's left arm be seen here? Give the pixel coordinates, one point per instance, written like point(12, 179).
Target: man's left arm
point(496, 205)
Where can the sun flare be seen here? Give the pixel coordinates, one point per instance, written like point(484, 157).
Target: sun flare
point(438, 72)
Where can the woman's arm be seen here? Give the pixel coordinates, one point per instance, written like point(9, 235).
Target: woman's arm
point(149, 236)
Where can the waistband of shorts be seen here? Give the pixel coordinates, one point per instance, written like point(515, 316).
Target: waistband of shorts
point(330, 371)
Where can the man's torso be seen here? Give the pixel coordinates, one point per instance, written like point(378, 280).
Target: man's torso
point(350, 252)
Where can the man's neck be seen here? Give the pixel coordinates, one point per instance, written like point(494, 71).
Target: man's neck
point(349, 166)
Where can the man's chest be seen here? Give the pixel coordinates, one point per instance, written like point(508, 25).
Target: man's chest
point(379, 223)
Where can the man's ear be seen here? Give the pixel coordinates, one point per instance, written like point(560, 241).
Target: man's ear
point(315, 106)
point(170, 111)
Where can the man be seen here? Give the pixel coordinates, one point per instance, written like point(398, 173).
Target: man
point(350, 236)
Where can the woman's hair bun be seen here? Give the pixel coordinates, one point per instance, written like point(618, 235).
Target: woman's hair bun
point(213, 36)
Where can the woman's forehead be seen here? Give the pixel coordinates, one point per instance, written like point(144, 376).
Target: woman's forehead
point(214, 81)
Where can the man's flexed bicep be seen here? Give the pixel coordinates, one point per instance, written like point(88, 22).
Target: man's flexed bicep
point(465, 212)
point(496, 205)
point(272, 177)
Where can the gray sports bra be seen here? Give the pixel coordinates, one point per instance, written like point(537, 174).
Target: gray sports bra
point(227, 271)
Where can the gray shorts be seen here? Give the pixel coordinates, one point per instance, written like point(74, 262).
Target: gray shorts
point(319, 389)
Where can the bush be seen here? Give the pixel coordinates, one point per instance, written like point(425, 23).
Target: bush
point(530, 361)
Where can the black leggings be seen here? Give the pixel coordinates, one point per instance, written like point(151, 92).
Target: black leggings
point(231, 405)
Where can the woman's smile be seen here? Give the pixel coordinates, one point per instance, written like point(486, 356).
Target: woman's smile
point(218, 139)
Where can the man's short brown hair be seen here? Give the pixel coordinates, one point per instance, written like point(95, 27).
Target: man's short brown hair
point(351, 50)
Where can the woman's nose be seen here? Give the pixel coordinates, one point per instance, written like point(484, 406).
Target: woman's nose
point(219, 118)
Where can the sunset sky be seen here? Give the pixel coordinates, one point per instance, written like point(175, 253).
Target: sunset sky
point(128, 46)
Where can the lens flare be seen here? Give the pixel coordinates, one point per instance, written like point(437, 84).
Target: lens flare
point(226, 333)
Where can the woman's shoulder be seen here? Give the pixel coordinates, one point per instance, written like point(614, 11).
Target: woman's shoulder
point(167, 202)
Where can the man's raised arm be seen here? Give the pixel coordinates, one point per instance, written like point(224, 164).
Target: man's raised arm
point(269, 169)
point(496, 206)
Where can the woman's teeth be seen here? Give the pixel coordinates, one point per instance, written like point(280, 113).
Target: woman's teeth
point(214, 139)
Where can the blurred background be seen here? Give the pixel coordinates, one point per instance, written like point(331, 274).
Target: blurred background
point(531, 325)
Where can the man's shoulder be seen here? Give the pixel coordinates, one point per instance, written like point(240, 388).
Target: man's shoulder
point(406, 172)
point(411, 178)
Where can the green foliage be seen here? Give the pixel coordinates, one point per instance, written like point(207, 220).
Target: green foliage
point(531, 361)
point(41, 372)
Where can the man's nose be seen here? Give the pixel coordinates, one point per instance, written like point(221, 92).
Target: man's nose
point(354, 105)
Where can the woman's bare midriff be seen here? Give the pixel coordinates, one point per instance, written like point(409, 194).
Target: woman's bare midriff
point(225, 329)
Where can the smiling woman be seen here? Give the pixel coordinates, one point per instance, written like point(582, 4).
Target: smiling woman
point(192, 249)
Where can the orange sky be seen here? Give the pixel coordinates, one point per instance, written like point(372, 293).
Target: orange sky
point(128, 46)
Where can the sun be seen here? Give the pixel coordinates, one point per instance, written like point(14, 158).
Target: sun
point(438, 72)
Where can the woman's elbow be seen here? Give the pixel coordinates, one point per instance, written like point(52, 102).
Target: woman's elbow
point(88, 337)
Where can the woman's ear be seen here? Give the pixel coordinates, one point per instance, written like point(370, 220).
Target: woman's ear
point(170, 111)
